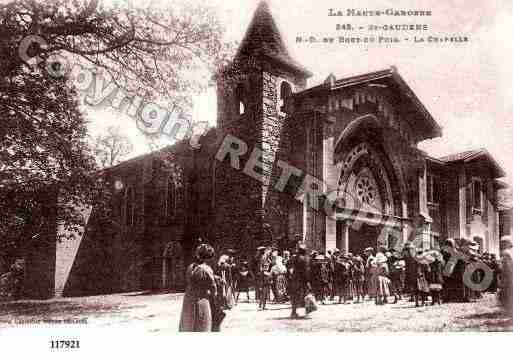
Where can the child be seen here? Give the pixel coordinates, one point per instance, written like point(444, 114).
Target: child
point(359, 278)
point(383, 282)
point(396, 267)
point(245, 277)
point(422, 283)
point(436, 279)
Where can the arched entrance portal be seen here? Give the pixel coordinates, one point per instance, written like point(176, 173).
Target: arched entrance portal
point(173, 267)
point(369, 204)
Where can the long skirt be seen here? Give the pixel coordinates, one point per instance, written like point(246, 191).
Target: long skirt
point(372, 284)
point(196, 315)
point(506, 288)
point(280, 287)
point(359, 286)
point(187, 316)
point(383, 286)
point(297, 292)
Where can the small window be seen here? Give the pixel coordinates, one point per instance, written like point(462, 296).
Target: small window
point(435, 241)
point(240, 100)
point(170, 198)
point(433, 189)
point(285, 93)
point(476, 198)
point(130, 206)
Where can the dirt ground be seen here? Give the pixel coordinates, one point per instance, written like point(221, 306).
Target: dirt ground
point(161, 312)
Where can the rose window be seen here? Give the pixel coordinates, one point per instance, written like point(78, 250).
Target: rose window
point(366, 190)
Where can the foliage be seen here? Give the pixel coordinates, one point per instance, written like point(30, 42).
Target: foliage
point(47, 170)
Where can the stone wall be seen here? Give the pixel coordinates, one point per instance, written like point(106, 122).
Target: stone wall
point(250, 212)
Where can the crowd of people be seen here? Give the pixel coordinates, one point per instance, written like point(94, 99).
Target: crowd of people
point(382, 275)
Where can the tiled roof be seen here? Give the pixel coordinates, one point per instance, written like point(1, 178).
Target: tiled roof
point(264, 39)
point(501, 184)
point(463, 156)
point(368, 77)
point(471, 155)
point(384, 78)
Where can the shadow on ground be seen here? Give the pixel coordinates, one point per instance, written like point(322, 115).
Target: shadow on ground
point(495, 321)
point(152, 293)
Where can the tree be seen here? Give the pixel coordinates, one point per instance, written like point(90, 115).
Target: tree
point(111, 148)
point(44, 156)
point(46, 168)
point(155, 50)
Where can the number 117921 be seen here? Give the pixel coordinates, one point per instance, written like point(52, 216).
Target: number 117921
point(64, 344)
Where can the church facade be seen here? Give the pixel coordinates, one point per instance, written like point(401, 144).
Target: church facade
point(335, 165)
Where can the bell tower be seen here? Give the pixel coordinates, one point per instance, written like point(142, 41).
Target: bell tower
point(251, 96)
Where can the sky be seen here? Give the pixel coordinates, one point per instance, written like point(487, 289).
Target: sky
point(465, 86)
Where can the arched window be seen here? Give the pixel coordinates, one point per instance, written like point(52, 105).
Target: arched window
point(170, 198)
point(240, 100)
point(129, 206)
point(285, 93)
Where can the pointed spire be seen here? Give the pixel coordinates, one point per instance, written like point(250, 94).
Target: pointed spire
point(263, 38)
point(330, 80)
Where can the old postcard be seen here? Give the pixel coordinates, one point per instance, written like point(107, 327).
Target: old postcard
point(250, 167)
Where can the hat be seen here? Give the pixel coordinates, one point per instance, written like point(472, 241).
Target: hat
point(301, 248)
point(369, 249)
point(381, 258)
point(450, 242)
point(435, 254)
point(261, 248)
point(205, 252)
point(223, 259)
point(400, 264)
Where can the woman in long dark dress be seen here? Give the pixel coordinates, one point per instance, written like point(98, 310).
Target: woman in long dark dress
point(199, 299)
point(264, 279)
point(410, 273)
point(186, 323)
point(299, 274)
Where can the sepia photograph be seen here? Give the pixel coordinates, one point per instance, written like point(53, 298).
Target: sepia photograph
point(250, 167)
